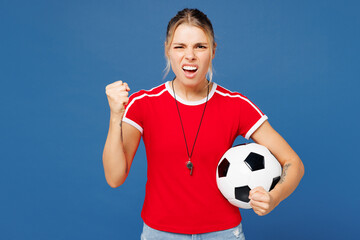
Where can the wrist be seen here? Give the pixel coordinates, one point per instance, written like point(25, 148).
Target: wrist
point(116, 118)
point(276, 196)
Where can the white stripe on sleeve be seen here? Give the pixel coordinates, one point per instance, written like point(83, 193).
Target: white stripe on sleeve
point(134, 124)
point(255, 126)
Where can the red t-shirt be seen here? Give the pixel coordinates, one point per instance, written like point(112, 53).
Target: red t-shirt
point(174, 200)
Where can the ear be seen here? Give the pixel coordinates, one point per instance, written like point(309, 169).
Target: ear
point(166, 50)
point(213, 54)
point(166, 53)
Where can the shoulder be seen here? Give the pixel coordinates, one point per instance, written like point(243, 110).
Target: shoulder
point(235, 98)
point(225, 93)
point(156, 91)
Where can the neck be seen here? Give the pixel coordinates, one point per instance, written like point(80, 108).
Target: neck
point(193, 92)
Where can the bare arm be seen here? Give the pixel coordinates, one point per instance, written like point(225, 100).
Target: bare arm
point(119, 151)
point(122, 140)
point(293, 170)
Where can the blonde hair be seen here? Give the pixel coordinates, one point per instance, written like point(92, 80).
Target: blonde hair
point(195, 18)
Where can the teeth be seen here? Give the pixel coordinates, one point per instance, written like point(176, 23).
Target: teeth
point(190, 68)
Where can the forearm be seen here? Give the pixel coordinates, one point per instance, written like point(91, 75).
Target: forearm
point(293, 168)
point(292, 173)
point(114, 160)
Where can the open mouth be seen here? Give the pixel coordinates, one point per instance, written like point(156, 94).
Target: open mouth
point(190, 69)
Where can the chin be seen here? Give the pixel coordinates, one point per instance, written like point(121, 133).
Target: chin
point(191, 81)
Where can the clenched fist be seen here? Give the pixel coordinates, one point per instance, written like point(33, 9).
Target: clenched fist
point(262, 201)
point(117, 94)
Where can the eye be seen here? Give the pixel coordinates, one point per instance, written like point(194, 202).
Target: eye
point(177, 47)
point(202, 46)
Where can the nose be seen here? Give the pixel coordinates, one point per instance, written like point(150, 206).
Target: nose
point(189, 54)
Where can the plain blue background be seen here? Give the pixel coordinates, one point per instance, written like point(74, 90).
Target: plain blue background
point(297, 60)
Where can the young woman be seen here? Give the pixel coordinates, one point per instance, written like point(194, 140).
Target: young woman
point(187, 124)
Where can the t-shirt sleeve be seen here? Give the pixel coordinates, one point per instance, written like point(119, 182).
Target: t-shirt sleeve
point(134, 112)
point(251, 118)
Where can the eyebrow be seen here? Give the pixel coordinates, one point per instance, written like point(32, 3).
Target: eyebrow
point(200, 43)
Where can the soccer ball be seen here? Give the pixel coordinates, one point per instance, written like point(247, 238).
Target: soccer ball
point(243, 168)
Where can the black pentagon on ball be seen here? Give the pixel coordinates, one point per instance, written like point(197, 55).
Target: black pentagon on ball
point(274, 182)
point(242, 193)
point(223, 168)
point(255, 161)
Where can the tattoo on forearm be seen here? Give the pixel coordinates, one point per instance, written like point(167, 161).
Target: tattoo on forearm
point(283, 175)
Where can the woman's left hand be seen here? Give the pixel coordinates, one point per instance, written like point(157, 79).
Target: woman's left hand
point(262, 201)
